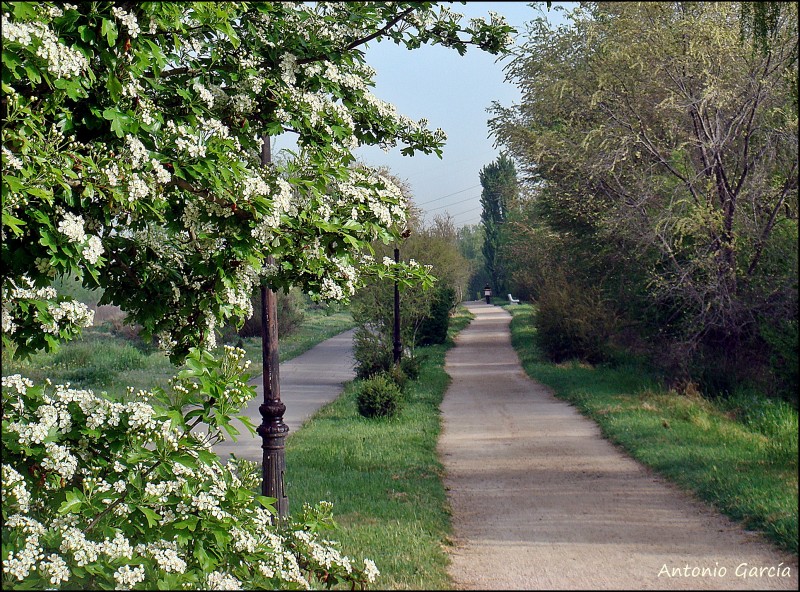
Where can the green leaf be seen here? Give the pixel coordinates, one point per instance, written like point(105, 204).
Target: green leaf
point(114, 87)
point(152, 517)
point(33, 73)
point(120, 122)
point(222, 537)
point(24, 11)
point(72, 504)
point(109, 30)
point(13, 223)
point(207, 457)
point(190, 522)
point(267, 502)
point(186, 460)
point(203, 558)
point(46, 239)
point(86, 33)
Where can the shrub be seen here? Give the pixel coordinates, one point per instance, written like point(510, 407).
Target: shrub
point(411, 366)
point(573, 322)
point(398, 376)
point(782, 342)
point(372, 354)
point(433, 327)
point(379, 396)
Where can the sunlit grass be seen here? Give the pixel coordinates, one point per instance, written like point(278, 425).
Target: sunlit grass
point(103, 361)
point(383, 477)
point(741, 455)
point(316, 327)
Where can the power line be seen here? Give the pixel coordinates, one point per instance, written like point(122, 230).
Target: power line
point(450, 194)
point(466, 211)
point(452, 204)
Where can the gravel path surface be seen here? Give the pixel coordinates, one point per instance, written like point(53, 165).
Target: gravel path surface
point(541, 501)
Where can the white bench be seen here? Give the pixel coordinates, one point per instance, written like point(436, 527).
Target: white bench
point(513, 300)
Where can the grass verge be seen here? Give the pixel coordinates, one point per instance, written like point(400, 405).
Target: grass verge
point(317, 326)
point(740, 455)
point(383, 477)
point(101, 360)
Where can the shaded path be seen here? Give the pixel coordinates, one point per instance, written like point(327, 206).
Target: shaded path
point(308, 382)
point(541, 501)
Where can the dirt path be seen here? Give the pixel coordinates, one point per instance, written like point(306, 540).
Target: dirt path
point(541, 501)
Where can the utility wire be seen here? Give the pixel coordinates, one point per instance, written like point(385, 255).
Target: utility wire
point(466, 212)
point(452, 204)
point(449, 195)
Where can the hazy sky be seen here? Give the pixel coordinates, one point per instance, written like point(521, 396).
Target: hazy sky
point(452, 92)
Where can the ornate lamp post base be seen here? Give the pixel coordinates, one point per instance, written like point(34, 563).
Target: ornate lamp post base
point(273, 467)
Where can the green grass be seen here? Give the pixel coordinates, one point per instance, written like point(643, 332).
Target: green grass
point(103, 361)
point(317, 326)
point(740, 455)
point(383, 477)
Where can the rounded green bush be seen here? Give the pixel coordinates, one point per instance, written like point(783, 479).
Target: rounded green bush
point(379, 396)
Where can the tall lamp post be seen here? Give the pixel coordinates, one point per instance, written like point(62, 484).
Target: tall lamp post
point(398, 346)
point(272, 429)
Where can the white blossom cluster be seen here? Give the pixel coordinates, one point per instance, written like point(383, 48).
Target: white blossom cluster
point(21, 563)
point(205, 488)
point(128, 19)
point(165, 554)
point(221, 581)
point(127, 577)
point(10, 160)
point(185, 140)
point(324, 553)
point(14, 486)
point(69, 312)
point(205, 95)
point(72, 226)
point(61, 314)
point(139, 154)
point(62, 61)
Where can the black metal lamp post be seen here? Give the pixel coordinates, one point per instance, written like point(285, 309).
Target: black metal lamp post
point(398, 346)
point(487, 291)
point(397, 350)
point(272, 429)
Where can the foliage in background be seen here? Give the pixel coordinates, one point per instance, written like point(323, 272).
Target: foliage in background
point(499, 193)
point(435, 245)
point(470, 245)
point(290, 307)
point(573, 322)
point(659, 152)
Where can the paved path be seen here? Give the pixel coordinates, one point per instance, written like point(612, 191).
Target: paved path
point(541, 501)
point(308, 382)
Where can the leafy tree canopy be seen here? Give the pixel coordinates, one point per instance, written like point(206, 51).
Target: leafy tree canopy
point(132, 155)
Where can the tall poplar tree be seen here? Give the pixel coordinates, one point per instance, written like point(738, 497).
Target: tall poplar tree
point(499, 181)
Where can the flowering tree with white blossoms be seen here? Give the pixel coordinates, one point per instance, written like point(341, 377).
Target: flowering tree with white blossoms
point(131, 159)
point(131, 155)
